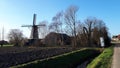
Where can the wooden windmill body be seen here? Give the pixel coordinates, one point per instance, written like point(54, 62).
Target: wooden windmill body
point(34, 31)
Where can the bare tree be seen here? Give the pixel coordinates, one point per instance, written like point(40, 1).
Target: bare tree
point(71, 20)
point(91, 30)
point(88, 29)
point(55, 27)
point(97, 31)
point(82, 40)
point(56, 24)
point(15, 37)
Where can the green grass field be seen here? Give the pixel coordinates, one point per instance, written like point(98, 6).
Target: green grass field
point(7, 45)
point(104, 60)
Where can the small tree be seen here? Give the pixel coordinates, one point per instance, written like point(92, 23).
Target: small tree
point(15, 37)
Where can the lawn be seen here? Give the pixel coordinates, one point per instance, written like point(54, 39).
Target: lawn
point(104, 60)
point(8, 45)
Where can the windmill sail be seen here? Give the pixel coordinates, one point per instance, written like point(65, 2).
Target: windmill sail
point(34, 19)
point(34, 32)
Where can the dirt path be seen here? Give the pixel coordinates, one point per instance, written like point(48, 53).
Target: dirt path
point(116, 57)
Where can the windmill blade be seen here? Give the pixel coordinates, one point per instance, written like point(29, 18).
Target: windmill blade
point(34, 19)
point(41, 25)
point(26, 26)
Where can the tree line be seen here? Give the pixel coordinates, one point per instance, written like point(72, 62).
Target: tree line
point(86, 33)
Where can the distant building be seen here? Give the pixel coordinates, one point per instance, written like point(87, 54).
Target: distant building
point(3, 42)
point(57, 39)
point(116, 38)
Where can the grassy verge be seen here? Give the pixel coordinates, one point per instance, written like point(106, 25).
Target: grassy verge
point(7, 45)
point(68, 60)
point(104, 60)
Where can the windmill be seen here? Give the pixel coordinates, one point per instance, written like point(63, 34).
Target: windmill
point(34, 31)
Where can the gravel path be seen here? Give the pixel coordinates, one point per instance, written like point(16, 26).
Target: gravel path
point(116, 57)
